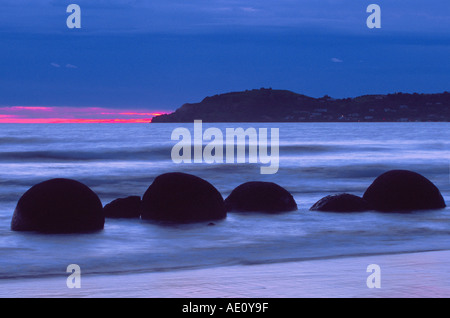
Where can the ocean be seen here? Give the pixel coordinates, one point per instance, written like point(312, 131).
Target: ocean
point(316, 159)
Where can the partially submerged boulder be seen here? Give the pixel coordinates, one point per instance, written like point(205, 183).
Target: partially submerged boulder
point(403, 190)
point(343, 202)
point(257, 196)
point(182, 198)
point(126, 208)
point(59, 206)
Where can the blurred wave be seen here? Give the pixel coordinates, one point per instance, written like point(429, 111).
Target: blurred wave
point(315, 160)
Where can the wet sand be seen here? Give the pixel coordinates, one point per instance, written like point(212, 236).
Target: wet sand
point(417, 275)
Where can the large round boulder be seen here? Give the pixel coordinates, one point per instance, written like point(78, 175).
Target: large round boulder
point(257, 196)
point(182, 198)
point(343, 202)
point(403, 190)
point(123, 208)
point(58, 206)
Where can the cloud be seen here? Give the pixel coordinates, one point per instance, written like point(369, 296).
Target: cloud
point(66, 66)
point(336, 60)
point(181, 15)
point(249, 9)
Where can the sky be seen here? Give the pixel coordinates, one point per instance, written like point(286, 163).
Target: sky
point(132, 59)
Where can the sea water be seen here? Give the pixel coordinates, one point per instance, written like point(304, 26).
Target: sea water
point(316, 159)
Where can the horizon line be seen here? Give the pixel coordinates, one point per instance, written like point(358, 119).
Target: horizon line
point(74, 115)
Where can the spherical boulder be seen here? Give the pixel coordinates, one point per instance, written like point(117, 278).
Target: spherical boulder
point(343, 202)
point(182, 198)
point(126, 208)
point(257, 196)
point(403, 190)
point(59, 206)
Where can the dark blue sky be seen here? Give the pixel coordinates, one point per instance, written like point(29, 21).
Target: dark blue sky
point(160, 54)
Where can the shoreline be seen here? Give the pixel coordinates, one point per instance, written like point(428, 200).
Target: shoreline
point(412, 275)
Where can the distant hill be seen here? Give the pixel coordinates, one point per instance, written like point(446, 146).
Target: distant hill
point(268, 105)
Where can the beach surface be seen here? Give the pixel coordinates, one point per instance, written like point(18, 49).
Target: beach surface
point(411, 275)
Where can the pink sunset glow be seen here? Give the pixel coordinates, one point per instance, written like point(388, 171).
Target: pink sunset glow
point(73, 115)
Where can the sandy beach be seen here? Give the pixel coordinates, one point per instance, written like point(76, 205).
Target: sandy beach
point(416, 275)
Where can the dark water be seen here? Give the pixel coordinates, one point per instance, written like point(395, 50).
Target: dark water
point(118, 160)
